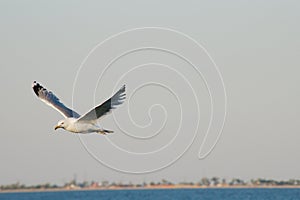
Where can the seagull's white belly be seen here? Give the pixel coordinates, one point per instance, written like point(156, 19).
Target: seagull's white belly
point(81, 127)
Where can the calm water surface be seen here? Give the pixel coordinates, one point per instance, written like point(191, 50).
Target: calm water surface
point(180, 194)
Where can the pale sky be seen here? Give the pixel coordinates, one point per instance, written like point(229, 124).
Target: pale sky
point(255, 45)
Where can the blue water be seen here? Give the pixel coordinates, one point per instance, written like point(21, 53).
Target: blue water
point(180, 194)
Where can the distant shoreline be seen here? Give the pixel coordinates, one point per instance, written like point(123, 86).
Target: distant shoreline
point(148, 188)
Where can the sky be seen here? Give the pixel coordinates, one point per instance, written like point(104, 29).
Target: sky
point(186, 66)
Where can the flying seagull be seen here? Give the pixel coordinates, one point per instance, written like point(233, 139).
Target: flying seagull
point(74, 122)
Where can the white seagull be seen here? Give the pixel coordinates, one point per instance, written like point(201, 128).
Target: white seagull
point(73, 122)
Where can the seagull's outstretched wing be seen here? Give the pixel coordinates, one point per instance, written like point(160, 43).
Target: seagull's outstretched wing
point(49, 98)
point(105, 107)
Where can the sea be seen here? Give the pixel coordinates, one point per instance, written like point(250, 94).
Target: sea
point(161, 194)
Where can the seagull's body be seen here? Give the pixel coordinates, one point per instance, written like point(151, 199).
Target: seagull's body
point(73, 122)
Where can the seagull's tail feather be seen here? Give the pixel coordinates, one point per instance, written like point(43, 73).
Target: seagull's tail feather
point(104, 131)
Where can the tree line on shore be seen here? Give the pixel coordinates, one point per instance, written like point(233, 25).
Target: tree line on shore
point(205, 182)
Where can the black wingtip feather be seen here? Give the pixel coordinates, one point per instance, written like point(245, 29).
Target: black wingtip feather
point(36, 87)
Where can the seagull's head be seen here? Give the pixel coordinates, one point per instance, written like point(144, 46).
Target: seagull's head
point(61, 124)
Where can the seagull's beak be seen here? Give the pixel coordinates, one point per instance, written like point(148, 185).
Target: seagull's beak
point(56, 127)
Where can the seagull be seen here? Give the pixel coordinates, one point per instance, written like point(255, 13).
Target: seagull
point(74, 122)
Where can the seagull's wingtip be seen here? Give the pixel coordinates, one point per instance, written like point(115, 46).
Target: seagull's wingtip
point(33, 83)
